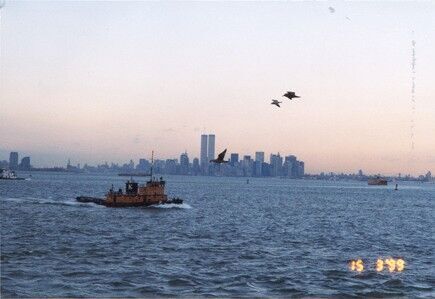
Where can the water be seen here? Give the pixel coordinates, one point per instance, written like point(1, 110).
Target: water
point(272, 237)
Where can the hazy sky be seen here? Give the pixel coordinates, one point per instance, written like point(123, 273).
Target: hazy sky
point(96, 81)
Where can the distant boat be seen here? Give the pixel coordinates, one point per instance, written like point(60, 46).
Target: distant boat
point(6, 174)
point(134, 174)
point(377, 182)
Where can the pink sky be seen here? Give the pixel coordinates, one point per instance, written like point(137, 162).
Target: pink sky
point(97, 81)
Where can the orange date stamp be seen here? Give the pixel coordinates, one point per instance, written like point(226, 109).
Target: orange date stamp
point(390, 265)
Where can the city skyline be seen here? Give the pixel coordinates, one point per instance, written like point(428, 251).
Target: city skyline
point(110, 88)
point(279, 166)
point(243, 165)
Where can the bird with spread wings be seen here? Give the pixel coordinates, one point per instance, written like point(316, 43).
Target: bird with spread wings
point(290, 95)
point(220, 158)
point(276, 103)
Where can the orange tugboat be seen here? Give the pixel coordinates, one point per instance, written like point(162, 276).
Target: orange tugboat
point(151, 193)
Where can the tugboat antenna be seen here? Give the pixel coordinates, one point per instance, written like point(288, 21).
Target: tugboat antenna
point(152, 165)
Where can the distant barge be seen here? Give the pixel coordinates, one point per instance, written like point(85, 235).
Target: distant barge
point(133, 174)
point(377, 182)
point(151, 193)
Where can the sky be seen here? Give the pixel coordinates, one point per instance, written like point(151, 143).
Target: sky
point(112, 81)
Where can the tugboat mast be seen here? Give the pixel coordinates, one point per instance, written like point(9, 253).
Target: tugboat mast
point(152, 165)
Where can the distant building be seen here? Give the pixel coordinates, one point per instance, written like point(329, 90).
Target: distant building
point(211, 154)
point(275, 165)
point(195, 167)
point(259, 160)
point(143, 165)
point(203, 157)
point(13, 161)
point(184, 164)
point(301, 169)
point(259, 157)
point(290, 166)
point(247, 165)
point(293, 168)
point(25, 164)
point(171, 166)
point(234, 159)
point(211, 147)
point(265, 169)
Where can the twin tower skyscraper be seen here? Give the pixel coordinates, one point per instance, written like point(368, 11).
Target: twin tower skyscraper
point(207, 151)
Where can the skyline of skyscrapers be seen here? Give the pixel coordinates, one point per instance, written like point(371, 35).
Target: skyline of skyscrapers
point(13, 164)
point(246, 166)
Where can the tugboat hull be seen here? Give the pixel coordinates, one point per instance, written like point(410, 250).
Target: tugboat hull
point(104, 202)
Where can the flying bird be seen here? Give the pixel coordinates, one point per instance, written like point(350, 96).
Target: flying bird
point(276, 103)
point(331, 9)
point(290, 95)
point(220, 158)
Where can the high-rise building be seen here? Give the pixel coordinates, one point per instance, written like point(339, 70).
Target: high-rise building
point(184, 164)
point(25, 163)
point(259, 157)
point(203, 157)
point(144, 165)
point(290, 166)
point(195, 166)
point(13, 161)
point(247, 165)
point(301, 171)
point(171, 166)
point(211, 147)
point(259, 160)
point(234, 159)
point(275, 165)
point(211, 154)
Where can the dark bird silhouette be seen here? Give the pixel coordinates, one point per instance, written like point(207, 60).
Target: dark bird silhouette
point(276, 103)
point(220, 158)
point(290, 95)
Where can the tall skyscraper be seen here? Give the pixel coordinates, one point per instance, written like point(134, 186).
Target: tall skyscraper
point(275, 165)
point(195, 166)
point(234, 158)
point(25, 163)
point(144, 165)
point(259, 160)
point(203, 157)
point(13, 161)
point(211, 147)
point(259, 157)
point(184, 164)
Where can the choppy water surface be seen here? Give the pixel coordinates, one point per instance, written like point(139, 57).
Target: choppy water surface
point(272, 237)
